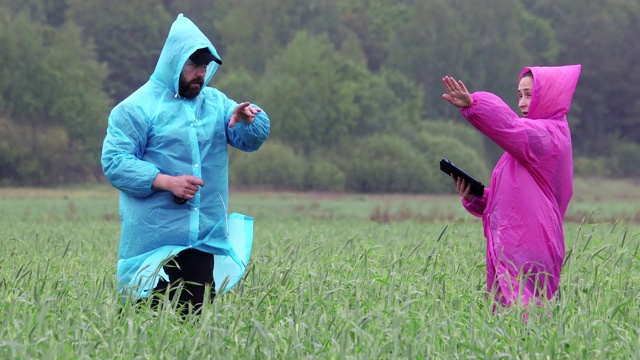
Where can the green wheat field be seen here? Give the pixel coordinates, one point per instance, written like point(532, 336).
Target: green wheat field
point(331, 277)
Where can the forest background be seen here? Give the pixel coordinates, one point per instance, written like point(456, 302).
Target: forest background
point(352, 87)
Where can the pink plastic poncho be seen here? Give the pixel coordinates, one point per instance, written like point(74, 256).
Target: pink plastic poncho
point(530, 189)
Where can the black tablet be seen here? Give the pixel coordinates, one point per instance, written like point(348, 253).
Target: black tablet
point(449, 168)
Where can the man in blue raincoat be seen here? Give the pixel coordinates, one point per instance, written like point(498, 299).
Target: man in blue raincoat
point(166, 151)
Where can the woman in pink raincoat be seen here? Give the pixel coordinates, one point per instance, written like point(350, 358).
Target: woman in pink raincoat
point(531, 185)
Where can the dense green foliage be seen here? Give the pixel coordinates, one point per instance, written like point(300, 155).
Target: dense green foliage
point(324, 282)
point(52, 108)
point(331, 74)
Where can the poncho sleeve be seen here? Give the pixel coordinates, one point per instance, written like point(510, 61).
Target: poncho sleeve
point(477, 205)
point(527, 140)
point(246, 137)
point(123, 149)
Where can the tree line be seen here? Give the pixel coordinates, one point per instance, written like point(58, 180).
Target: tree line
point(353, 87)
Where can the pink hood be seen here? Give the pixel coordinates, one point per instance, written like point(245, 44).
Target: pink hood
point(553, 89)
point(530, 188)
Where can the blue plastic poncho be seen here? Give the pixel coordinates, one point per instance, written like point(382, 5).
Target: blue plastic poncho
point(156, 131)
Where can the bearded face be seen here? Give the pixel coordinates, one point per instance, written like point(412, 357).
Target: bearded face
point(190, 86)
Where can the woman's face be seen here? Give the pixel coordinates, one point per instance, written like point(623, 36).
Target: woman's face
point(524, 94)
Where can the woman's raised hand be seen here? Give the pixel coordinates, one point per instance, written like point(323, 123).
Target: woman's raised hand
point(457, 93)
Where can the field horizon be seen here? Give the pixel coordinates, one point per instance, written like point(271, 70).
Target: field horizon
point(594, 200)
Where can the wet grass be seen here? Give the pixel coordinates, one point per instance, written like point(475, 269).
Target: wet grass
point(326, 281)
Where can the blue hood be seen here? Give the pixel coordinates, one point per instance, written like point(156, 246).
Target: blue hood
point(183, 40)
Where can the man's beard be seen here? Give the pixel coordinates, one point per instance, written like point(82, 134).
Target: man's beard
point(189, 90)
